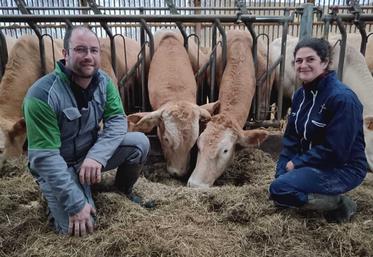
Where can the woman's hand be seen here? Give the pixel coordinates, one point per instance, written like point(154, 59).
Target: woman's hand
point(289, 166)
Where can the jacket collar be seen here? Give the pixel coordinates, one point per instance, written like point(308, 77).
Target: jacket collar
point(320, 82)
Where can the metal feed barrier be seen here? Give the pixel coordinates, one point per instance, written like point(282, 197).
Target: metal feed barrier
point(136, 99)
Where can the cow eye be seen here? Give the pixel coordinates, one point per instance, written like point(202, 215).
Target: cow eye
point(225, 151)
point(165, 139)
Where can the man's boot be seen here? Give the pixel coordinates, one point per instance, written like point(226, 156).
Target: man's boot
point(125, 178)
point(337, 208)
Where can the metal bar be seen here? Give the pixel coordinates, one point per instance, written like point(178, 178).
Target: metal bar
point(342, 50)
point(213, 86)
point(173, 10)
point(22, 7)
point(3, 54)
point(144, 70)
point(364, 37)
point(94, 7)
point(282, 68)
point(306, 21)
point(148, 18)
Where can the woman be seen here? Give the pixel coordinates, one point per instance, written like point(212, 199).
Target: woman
point(323, 145)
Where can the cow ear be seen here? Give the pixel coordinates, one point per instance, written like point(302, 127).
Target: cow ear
point(19, 128)
point(205, 116)
point(212, 108)
point(252, 137)
point(132, 119)
point(145, 121)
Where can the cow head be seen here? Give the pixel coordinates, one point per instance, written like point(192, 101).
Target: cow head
point(177, 128)
point(216, 147)
point(368, 134)
point(14, 140)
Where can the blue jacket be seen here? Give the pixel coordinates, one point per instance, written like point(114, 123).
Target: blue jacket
point(325, 128)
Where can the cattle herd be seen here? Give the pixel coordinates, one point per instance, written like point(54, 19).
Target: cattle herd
point(172, 92)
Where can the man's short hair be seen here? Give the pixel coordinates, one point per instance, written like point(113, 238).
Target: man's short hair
point(69, 32)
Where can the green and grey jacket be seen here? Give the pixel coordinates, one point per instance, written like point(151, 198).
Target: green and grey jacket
point(60, 134)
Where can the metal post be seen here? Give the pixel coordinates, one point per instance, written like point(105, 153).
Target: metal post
point(282, 67)
point(94, 7)
point(3, 54)
point(342, 50)
point(22, 7)
point(306, 21)
point(173, 10)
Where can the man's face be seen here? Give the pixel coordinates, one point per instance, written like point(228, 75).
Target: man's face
point(84, 55)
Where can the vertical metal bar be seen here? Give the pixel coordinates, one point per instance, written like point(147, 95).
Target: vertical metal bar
point(213, 86)
point(306, 21)
point(145, 95)
point(342, 50)
point(3, 54)
point(282, 68)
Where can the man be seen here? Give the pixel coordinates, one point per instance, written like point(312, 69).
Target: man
point(66, 148)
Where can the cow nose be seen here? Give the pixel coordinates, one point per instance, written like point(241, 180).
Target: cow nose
point(173, 171)
point(195, 184)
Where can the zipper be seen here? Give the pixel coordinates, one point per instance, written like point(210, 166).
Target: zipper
point(314, 94)
point(297, 115)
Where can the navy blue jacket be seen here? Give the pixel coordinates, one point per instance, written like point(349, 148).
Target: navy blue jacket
point(325, 128)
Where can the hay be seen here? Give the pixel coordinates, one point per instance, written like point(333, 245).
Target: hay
point(235, 218)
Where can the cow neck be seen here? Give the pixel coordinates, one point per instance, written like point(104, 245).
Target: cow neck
point(81, 95)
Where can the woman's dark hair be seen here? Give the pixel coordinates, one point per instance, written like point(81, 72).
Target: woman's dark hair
point(319, 45)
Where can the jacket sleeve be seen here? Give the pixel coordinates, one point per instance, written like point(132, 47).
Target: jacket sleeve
point(115, 127)
point(340, 135)
point(44, 156)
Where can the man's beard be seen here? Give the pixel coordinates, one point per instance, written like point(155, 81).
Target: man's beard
point(83, 76)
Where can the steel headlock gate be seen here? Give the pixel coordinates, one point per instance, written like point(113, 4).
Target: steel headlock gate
point(136, 98)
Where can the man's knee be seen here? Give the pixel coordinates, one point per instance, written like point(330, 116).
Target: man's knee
point(142, 142)
point(137, 145)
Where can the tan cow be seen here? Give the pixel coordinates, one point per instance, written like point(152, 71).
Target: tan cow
point(24, 68)
point(356, 75)
point(217, 142)
point(172, 94)
point(261, 67)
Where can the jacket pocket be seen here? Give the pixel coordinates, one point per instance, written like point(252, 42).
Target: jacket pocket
point(70, 123)
point(72, 113)
point(318, 124)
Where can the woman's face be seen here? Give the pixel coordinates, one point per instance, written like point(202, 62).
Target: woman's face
point(308, 64)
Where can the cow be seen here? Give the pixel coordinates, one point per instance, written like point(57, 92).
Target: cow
point(24, 68)
point(262, 63)
point(216, 144)
point(356, 75)
point(356, 39)
point(172, 95)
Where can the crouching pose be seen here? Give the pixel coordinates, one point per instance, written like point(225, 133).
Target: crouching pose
point(67, 151)
point(323, 146)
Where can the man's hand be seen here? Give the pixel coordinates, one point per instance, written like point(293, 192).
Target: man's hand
point(81, 223)
point(90, 172)
point(289, 166)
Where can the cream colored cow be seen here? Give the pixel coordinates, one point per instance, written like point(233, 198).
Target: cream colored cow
point(172, 94)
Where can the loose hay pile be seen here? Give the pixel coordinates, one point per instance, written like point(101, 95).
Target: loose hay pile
point(234, 218)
